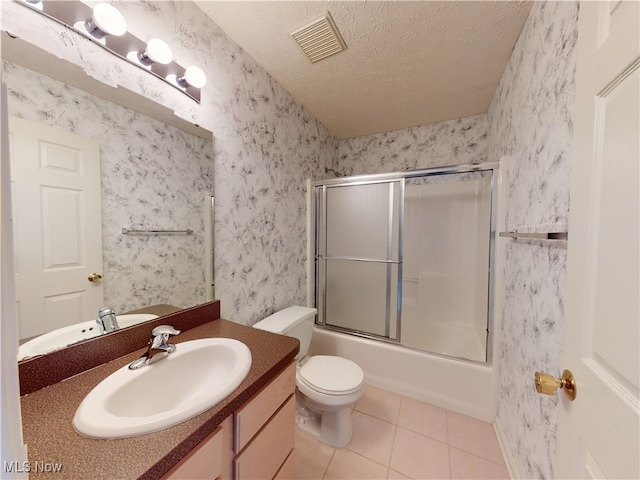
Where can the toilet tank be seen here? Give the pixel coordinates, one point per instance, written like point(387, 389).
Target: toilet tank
point(294, 322)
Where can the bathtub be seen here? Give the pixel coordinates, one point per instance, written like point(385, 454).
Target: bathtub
point(463, 387)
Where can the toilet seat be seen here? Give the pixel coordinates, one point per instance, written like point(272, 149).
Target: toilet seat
point(331, 375)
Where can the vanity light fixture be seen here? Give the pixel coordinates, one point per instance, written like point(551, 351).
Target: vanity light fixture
point(193, 76)
point(104, 23)
point(157, 51)
point(106, 20)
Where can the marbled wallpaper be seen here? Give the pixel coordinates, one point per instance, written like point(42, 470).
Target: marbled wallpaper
point(154, 176)
point(530, 125)
point(454, 142)
point(265, 145)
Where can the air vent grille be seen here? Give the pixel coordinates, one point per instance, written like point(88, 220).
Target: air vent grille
point(320, 39)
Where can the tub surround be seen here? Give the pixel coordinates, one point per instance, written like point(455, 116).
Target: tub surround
point(416, 374)
point(148, 456)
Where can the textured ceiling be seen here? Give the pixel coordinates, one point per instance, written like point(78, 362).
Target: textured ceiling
point(406, 63)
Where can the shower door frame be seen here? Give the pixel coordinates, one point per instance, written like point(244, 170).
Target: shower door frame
point(354, 181)
point(400, 177)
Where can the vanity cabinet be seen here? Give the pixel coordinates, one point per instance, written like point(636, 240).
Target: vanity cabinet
point(203, 462)
point(256, 442)
point(264, 429)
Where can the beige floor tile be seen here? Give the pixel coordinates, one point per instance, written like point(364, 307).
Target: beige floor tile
point(473, 436)
point(419, 457)
point(312, 457)
point(380, 404)
point(424, 419)
point(467, 466)
point(346, 464)
point(372, 438)
point(393, 475)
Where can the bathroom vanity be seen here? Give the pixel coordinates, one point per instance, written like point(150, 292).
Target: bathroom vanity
point(256, 442)
point(250, 434)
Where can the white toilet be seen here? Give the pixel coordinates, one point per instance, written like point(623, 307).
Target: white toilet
point(327, 386)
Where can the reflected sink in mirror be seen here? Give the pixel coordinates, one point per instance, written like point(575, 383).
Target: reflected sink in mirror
point(65, 336)
point(169, 390)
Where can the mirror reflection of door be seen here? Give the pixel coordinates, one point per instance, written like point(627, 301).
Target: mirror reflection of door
point(58, 230)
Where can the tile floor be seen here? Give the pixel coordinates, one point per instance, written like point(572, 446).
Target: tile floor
point(396, 437)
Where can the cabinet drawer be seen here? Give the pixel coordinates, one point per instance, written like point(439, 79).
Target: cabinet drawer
point(203, 462)
point(266, 453)
point(253, 415)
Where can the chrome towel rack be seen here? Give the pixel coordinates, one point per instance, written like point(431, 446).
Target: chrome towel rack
point(537, 236)
point(127, 231)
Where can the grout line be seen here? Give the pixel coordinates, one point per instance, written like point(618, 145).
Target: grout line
point(324, 474)
point(478, 456)
point(376, 418)
point(475, 454)
point(395, 432)
point(393, 446)
point(367, 458)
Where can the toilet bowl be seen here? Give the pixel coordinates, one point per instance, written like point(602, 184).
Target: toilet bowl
point(329, 386)
point(326, 385)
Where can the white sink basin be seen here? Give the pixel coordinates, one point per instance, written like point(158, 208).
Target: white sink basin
point(170, 390)
point(65, 336)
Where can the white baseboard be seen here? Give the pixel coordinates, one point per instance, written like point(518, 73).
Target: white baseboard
point(510, 462)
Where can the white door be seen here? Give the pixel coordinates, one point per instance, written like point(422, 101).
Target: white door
point(57, 226)
point(598, 433)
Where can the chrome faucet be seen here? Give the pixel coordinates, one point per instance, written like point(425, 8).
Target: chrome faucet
point(157, 344)
point(107, 320)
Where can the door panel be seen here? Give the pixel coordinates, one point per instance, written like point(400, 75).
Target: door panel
point(357, 220)
point(598, 434)
point(359, 257)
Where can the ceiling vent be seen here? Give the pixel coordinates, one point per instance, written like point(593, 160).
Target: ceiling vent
point(320, 39)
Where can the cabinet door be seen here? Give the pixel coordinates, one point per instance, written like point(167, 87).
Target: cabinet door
point(203, 462)
point(255, 413)
point(268, 450)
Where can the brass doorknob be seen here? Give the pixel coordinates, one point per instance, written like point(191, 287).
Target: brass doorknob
point(95, 277)
point(548, 384)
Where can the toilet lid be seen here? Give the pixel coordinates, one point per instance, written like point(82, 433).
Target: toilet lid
point(331, 375)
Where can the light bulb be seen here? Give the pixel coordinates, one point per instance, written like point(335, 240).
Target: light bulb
point(157, 51)
point(106, 20)
point(192, 76)
point(35, 3)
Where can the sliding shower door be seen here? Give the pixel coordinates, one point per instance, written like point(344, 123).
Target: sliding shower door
point(447, 231)
point(406, 258)
point(358, 257)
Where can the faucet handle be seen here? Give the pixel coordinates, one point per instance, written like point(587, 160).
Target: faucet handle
point(164, 330)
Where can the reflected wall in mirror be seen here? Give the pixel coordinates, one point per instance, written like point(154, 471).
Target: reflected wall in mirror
point(153, 176)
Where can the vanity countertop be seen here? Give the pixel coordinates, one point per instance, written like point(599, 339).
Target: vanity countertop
point(51, 439)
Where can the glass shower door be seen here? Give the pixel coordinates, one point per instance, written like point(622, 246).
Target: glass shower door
point(358, 257)
point(447, 232)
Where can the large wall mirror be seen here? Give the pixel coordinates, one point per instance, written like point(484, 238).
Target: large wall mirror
point(152, 176)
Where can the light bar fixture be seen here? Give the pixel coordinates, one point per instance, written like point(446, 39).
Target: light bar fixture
point(105, 26)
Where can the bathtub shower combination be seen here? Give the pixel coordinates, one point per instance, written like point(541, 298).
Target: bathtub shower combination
point(403, 267)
